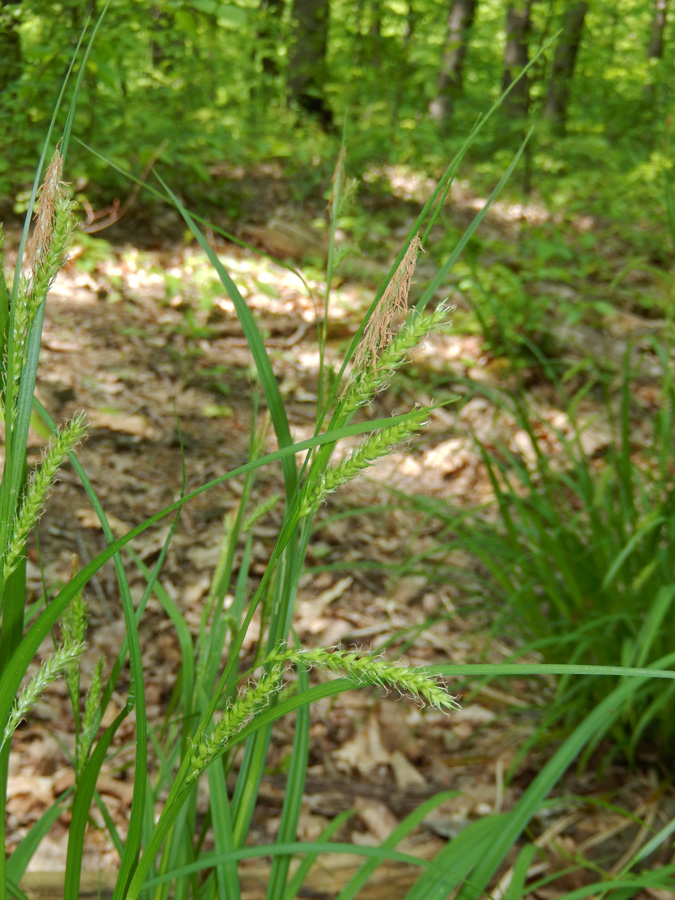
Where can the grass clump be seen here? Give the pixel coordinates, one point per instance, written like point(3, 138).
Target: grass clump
point(210, 717)
point(581, 558)
point(219, 723)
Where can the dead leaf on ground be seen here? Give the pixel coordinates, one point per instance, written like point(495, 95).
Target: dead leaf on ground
point(365, 751)
point(377, 816)
point(405, 774)
point(124, 423)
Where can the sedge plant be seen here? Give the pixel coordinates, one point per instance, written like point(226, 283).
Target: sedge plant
point(220, 719)
point(580, 557)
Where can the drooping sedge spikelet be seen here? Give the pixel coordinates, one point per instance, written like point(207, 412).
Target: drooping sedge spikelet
point(74, 622)
point(372, 448)
point(366, 382)
point(369, 670)
point(37, 487)
point(90, 720)
point(4, 318)
point(342, 194)
point(21, 322)
point(48, 672)
point(208, 747)
point(56, 253)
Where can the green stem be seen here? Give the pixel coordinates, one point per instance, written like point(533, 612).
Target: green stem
point(4, 770)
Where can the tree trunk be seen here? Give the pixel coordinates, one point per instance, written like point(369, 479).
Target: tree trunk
point(10, 45)
point(612, 27)
point(564, 62)
point(411, 22)
point(516, 57)
point(451, 76)
point(269, 34)
point(655, 48)
point(368, 33)
point(307, 60)
point(375, 28)
point(656, 42)
point(161, 26)
point(405, 68)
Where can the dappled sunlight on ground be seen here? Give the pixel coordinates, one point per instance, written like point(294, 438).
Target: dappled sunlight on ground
point(138, 339)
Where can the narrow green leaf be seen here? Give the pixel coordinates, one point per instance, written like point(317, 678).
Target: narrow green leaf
point(641, 533)
point(226, 870)
point(81, 807)
point(18, 862)
point(291, 849)
point(300, 874)
point(534, 796)
point(295, 789)
point(516, 889)
point(401, 831)
point(256, 346)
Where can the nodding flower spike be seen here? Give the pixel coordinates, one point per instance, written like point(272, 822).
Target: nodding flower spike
point(368, 670)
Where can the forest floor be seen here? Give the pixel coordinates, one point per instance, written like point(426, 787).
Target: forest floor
point(126, 341)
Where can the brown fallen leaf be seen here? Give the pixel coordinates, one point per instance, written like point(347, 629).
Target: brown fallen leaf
point(88, 519)
point(26, 795)
point(365, 751)
point(405, 774)
point(124, 423)
point(377, 816)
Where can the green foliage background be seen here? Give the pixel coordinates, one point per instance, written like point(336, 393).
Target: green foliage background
point(208, 82)
point(213, 85)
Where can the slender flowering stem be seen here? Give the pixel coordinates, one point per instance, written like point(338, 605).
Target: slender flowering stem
point(261, 510)
point(73, 630)
point(90, 720)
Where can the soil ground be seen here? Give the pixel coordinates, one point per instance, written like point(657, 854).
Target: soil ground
point(124, 343)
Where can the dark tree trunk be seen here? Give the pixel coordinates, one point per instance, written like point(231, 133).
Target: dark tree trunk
point(307, 61)
point(410, 22)
point(406, 68)
point(451, 76)
point(162, 24)
point(564, 62)
point(375, 27)
point(610, 53)
point(516, 57)
point(656, 42)
point(369, 33)
point(655, 50)
point(269, 34)
point(10, 45)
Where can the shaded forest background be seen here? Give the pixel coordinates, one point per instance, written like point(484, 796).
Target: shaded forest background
point(540, 505)
point(275, 81)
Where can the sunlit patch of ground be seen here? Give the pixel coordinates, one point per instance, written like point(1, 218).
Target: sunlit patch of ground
point(136, 339)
